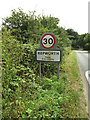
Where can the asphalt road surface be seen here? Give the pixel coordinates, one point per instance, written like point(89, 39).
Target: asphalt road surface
point(83, 58)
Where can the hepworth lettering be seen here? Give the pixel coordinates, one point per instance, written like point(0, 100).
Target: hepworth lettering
point(48, 53)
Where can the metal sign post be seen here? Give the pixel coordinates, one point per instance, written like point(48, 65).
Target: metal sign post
point(58, 70)
point(40, 70)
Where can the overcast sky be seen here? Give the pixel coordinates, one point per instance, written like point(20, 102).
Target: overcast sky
point(72, 13)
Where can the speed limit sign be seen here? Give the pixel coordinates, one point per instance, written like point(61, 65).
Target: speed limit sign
point(48, 40)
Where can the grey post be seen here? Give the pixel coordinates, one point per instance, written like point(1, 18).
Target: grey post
point(58, 70)
point(40, 70)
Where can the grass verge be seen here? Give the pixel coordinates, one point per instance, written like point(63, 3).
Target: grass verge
point(77, 108)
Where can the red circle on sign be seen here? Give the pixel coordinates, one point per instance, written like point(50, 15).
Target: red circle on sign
point(53, 40)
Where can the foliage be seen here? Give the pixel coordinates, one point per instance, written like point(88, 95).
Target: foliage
point(79, 41)
point(74, 37)
point(24, 94)
point(22, 25)
point(87, 42)
point(84, 41)
point(28, 28)
point(19, 75)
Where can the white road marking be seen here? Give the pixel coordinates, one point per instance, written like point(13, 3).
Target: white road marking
point(87, 74)
point(81, 51)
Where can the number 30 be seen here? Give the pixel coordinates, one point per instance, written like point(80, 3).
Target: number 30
point(45, 41)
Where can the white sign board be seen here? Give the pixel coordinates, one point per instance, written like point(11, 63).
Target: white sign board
point(48, 56)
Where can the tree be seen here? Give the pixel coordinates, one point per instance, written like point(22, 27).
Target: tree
point(22, 25)
point(74, 37)
point(28, 28)
point(50, 22)
point(87, 42)
point(81, 41)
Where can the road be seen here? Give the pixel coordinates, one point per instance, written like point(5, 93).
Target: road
point(83, 58)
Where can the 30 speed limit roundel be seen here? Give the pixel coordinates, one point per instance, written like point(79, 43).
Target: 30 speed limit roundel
point(48, 40)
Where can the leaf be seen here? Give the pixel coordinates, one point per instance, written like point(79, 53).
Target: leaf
point(24, 116)
point(30, 70)
point(14, 84)
point(28, 111)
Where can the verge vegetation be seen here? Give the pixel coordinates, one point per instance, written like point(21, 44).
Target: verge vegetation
point(78, 104)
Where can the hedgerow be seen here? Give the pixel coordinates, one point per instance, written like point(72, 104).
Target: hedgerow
point(24, 94)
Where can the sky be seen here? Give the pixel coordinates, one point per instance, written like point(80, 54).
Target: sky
point(73, 14)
